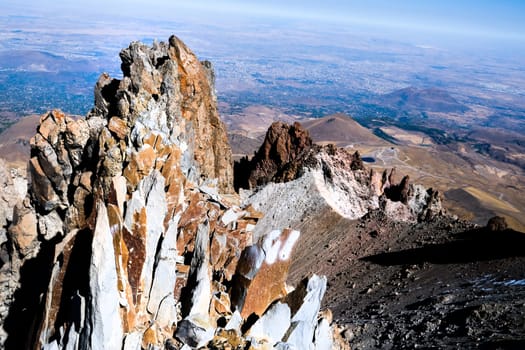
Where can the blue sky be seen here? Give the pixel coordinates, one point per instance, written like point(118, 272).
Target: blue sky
point(495, 19)
point(480, 17)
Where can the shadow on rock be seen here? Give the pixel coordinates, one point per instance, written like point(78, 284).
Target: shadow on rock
point(504, 344)
point(469, 246)
point(22, 319)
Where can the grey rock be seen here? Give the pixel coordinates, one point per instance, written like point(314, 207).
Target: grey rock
point(193, 334)
point(315, 289)
point(200, 272)
point(272, 325)
point(152, 189)
point(13, 188)
point(133, 341)
point(323, 335)
point(50, 225)
point(235, 321)
point(300, 335)
point(103, 306)
point(165, 271)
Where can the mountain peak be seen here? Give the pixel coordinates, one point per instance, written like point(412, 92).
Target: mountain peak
point(130, 235)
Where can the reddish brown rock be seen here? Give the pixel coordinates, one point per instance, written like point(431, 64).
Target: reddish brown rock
point(189, 222)
point(212, 150)
point(282, 145)
point(51, 125)
point(220, 304)
point(139, 166)
point(262, 271)
point(398, 192)
point(136, 244)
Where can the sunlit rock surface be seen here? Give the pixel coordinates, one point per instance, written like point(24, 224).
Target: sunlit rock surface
point(131, 237)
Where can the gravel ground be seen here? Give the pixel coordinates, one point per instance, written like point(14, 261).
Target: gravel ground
point(444, 284)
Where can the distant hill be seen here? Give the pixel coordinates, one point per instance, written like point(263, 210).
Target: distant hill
point(253, 121)
point(243, 145)
point(40, 61)
point(14, 141)
point(430, 100)
point(341, 130)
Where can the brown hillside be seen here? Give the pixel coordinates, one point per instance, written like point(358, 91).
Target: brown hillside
point(14, 141)
point(341, 130)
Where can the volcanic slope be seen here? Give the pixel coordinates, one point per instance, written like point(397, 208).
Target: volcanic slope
point(14, 141)
point(342, 131)
point(403, 273)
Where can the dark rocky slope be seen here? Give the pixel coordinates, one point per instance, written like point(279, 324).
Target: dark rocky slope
point(402, 273)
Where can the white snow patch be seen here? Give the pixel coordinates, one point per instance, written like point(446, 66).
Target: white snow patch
point(286, 250)
point(271, 245)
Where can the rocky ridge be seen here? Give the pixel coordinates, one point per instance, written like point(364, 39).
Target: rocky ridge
point(291, 178)
point(125, 229)
point(130, 236)
point(402, 274)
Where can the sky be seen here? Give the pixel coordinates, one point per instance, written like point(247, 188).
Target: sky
point(451, 19)
point(479, 17)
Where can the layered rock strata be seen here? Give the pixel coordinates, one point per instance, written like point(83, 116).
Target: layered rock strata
point(130, 236)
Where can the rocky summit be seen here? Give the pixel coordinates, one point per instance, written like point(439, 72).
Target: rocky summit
point(131, 237)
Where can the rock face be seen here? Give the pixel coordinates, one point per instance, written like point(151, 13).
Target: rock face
point(13, 190)
point(282, 145)
point(130, 236)
point(303, 178)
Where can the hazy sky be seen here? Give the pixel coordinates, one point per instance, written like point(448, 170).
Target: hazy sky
point(494, 19)
point(477, 17)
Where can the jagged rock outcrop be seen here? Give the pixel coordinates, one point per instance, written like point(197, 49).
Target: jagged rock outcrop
point(497, 224)
point(303, 178)
point(285, 152)
point(282, 145)
point(405, 201)
point(130, 237)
